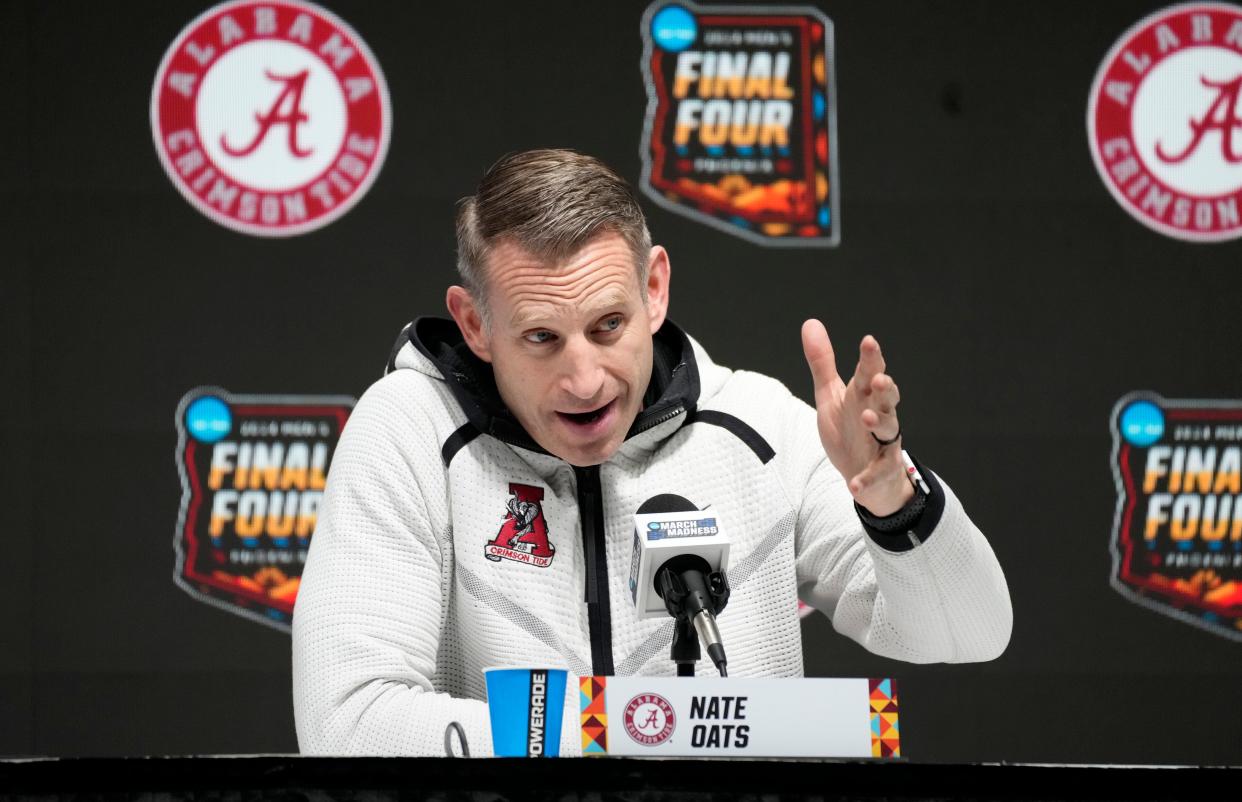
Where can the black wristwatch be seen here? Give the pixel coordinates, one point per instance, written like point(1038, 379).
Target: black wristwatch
point(905, 518)
point(901, 521)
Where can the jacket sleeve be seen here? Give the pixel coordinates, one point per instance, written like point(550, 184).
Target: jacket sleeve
point(369, 612)
point(933, 594)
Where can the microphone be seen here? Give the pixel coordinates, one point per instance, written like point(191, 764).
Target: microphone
point(678, 568)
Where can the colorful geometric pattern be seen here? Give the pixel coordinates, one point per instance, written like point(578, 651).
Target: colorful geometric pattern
point(885, 737)
point(594, 715)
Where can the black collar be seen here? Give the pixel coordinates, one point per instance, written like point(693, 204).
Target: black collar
point(674, 382)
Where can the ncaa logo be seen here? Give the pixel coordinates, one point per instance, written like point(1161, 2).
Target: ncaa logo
point(649, 719)
point(271, 118)
point(1165, 121)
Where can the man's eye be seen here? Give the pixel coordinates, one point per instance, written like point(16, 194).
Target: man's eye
point(539, 337)
point(611, 324)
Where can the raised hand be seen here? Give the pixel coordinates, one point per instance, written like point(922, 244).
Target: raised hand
point(849, 414)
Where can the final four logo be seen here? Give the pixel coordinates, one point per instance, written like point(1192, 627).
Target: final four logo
point(253, 469)
point(271, 118)
point(1177, 535)
point(1165, 121)
point(741, 120)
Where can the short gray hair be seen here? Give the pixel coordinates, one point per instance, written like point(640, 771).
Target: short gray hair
point(551, 203)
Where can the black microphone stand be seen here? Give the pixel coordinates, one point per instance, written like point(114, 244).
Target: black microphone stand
point(685, 651)
point(688, 590)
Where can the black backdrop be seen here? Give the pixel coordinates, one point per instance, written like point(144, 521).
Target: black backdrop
point(1016, 302)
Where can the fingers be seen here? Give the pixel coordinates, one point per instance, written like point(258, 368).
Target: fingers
point(819, 356)
point(877, 390)
point(880, 415)
point(884, 427)
point(886, 469)
point(884, 396)
point(870, 363)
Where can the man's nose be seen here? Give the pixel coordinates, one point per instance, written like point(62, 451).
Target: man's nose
point(583, 375)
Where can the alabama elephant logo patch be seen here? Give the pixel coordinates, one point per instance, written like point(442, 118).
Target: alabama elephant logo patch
point(523, 536)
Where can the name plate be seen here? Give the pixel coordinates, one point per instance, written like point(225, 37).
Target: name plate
point(739, 717)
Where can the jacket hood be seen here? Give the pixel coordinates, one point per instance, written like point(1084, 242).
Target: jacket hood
point(436, 347)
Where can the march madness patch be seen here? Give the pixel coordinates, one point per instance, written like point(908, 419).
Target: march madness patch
point(740, 131)
point(1177, 535)
point(523, 536)
point(253, 469)
point(271, 117)
point(1166, 125)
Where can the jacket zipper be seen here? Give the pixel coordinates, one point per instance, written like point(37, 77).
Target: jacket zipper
point(594, 542)
point(664, 418)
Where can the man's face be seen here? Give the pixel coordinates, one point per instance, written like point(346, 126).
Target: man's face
point(570, 343)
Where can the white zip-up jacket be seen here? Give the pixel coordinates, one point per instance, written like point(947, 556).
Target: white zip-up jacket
point(449, 542)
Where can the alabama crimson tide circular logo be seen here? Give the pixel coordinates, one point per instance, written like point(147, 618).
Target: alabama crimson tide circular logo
point(271, 117)
point(1165, 121)
point(649, 719)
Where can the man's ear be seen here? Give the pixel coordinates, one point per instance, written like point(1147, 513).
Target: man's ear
point(658, 277)
point(461, 305)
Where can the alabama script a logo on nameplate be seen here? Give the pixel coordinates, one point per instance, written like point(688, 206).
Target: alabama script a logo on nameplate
point(271, 118)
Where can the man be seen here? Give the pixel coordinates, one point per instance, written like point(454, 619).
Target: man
point(479, 507)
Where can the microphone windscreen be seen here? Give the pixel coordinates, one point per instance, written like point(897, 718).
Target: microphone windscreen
point(666, 502)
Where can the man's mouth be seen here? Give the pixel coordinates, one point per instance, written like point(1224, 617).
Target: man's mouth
point(585, 419)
